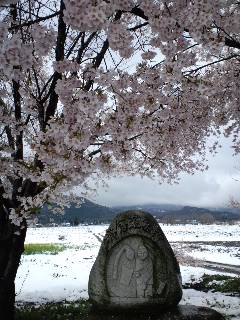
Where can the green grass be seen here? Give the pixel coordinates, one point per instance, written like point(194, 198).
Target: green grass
point(51, 248)
point(222, 283)
point(43, 248)
point(77, 310)
point(216, 282)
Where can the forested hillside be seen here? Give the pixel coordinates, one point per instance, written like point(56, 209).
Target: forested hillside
point(92, 213)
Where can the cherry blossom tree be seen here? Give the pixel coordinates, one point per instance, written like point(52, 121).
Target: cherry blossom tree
point(93, 88)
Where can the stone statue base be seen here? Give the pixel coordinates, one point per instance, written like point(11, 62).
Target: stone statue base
point(181, 312)
point(136, 275)
point(135, 267)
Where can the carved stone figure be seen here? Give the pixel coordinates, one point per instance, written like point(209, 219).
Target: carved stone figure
point(135, 266)
point(129, 270)
point(144, 273)
point(127, 265)
point(123, 271)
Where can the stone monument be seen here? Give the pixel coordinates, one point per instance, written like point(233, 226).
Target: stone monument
point(135, 267)
point(136, 275)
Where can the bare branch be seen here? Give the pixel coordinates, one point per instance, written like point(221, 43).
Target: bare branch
point(29, 23)
point(84, 45)
point(59, 53)
point(232, 43)
point(139, 12)
point(74, 44)
point(98, 61)
point(139, 26)
point(211, 63)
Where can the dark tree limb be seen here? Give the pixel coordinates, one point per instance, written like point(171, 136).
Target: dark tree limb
point(139, 12)
point(10, 137)
point(59, 54)
point(139, 26)
point(30, 23)
point(70, 50)
point(212, 63)
point(232, 43)
point(45, 87)
point(7, 128)
point(17, 110)
point(84, 45)
point(99, 58)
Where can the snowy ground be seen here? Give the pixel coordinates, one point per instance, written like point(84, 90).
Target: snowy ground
point(43, 277)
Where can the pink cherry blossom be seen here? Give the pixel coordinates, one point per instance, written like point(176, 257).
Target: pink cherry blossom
point(99, 88)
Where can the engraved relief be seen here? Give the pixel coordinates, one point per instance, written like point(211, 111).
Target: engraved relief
point(135, 267)
point(144, 273)
point(130, 270)
point(127, 267)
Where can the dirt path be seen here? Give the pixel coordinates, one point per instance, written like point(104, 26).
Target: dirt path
point(220, 267)
point(181, 251)
point(211, 243)
point(98, 237)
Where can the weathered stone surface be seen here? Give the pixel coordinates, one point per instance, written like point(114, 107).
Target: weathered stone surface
point(136, 267)
point(180, 312)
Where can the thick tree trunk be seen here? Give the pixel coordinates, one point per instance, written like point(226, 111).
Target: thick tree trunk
point(11, 249)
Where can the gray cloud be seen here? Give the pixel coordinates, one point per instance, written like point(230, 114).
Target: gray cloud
point(212, 188)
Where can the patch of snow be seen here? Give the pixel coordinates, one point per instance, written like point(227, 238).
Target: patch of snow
point(42, 278)
point(215, 254)
point(222, 303)
point(194, 274)
point(193, 233)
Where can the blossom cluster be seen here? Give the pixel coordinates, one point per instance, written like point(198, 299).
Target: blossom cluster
point(114, 87)
point(86, 15)
point(13, 54)
point(120, 39)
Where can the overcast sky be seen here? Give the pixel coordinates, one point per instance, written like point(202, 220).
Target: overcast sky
point(212, 188)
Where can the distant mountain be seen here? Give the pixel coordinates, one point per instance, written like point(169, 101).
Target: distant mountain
point(89, 212)
point(180, 214)
point(92, 213)
point(154, 209)
point(163, 210)
point(192, 214)
point(226, 209)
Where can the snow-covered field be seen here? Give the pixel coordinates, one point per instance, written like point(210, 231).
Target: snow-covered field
point(43, 277)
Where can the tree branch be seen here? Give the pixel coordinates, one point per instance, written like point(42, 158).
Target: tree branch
point(17, 104)
point(84, 45)
point(139, 12)
point(97, 62)
point(29, 23)
point(59, 54)
point(139, 26)
point(211, 63)
point(232, 43)
point(10, 138)
point(11, 142)
point(100, 56)
point(73, 45)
